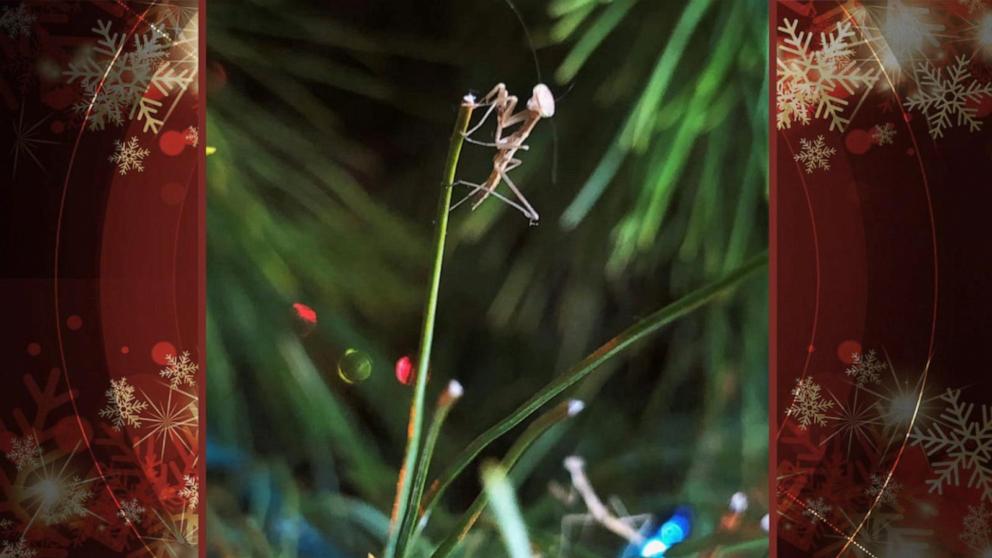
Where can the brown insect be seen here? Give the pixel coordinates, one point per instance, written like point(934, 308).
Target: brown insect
point(541, 104)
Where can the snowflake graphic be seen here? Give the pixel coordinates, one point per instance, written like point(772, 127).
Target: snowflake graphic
point(128, 74)
point(808, 405)
point(814, 80)
point(180, 370)
point(115, 80)
point(816, 510)
point(190, 492)
point(888, 492)
point(883, 134)
point(814, 154)
point(131, 511)
point(129, 155)
point(16, 21)
point(941, 98)
point(960, 443)
point(792, 106)
point(122, 408)
point(976, 532)
point(865, 369)
point(24, 452)
point(18, 549)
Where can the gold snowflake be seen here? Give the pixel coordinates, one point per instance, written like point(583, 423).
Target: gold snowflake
point(180, 370)
point(190, 492)
point(123, 409)
point(941, 98)
point(812, 80)
point(808, 405)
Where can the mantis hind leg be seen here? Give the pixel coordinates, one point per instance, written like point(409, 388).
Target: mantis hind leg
point(531, 213)
point(479, 188)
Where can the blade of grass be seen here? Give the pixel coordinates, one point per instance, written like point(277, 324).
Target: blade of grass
point(508, 518)
point(444, 405)
point(635, 128)
point(404, 488)
point(584, 47)
point(607, 351)
point(526, 440)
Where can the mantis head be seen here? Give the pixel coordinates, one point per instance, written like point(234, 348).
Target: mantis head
point(542, 101)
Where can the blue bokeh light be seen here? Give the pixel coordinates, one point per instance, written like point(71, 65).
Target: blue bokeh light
point(671, 532)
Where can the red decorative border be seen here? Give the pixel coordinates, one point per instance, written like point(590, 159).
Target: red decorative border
point(881, 416)
point(103, 284)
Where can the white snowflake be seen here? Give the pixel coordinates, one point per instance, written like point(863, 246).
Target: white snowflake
point(812, 80)
point(814, 154)
point(808, 405)
point(131, 511)
point(190, 492)
point(792, 105)
point(16, 21)
point(865, 369)
point(888, 492)
point(959, 442)
point(18, 549)
point(816, 510)
point(976, 531)
point(129, 155)
point(941, 98)
point(180, 370)
point(115, 80)
point(123, 409)
point(883, 134)
point(24, 452)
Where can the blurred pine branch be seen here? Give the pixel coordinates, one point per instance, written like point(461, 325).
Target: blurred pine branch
point(330, 123)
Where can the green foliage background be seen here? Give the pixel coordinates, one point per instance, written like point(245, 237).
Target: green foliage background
point(331, 121)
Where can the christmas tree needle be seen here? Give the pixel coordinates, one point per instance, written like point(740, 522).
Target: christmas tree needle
point(404, 488)
point(534, 431)
point(510, 521)
point(444, 404)
point(608, 350)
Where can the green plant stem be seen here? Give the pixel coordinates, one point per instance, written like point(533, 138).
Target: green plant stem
point(444, 405)
point(608, 350)
point(404, 486)
point(533, 432)
point(510, 521)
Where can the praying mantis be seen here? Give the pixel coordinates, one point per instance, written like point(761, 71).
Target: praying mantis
point(541, 104)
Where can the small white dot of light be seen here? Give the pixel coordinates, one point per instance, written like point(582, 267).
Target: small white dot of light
point(765, 523)
point(902, 408)
point(652, 548)
point(738, 502)
point(48, 492)
point(575, 407)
